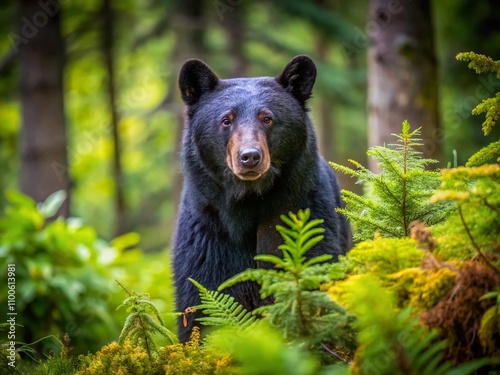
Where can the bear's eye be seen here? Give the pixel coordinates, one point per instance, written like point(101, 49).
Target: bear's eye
point(226, 122)
point(267, 120)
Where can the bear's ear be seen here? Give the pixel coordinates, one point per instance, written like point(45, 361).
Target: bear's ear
point(195, 79)
point(298, 77)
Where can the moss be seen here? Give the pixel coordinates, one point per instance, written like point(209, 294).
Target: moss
point(422, 288)
point(195, 359)
point(382, 256)
point(126, 359)
point(117, 359)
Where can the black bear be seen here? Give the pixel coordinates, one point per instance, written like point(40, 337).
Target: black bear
point(249, 154)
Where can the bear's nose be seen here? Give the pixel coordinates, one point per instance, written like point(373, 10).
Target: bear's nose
point(250, 157)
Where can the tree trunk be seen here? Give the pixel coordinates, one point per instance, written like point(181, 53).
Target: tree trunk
point(325, 125)
point(118, 177)
point(44, 165)
point(189, 26)
point(235, 28)
point(402, 68)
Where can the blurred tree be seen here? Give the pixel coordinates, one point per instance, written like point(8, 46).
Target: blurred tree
point(44, 165)
point(108, 55)
point(402, 73)
point(188, 25)
point(235, 28)
point(326, 123)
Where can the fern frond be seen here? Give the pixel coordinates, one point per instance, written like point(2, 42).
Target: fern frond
point(222, 309)
point(299, 309)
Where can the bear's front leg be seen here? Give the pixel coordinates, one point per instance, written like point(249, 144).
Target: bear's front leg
point(204, 252)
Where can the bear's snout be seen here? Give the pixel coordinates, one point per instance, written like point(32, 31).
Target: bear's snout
point(247, 154)
point(250, 157)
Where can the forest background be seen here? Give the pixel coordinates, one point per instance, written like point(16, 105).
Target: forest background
point(89, 101)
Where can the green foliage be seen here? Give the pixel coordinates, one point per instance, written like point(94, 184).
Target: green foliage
point(61, 364)
point(476, 192)
point(486, 153)
point(480, 63)
point(392, 342)
point(52, 366)
point(261, 350)
point(139, 326)
point(397, 265)
point(157, 281)
point(489, 106)
point(194, 358)
point(421, 288)
point(490, 322)
point(180, 359)
point(62, 272)
point(399, 193)
point(382, 256)
point(299, 309)
point(114, 358)
point(222, 309)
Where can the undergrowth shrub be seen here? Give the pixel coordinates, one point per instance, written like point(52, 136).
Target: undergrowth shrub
point(62, 272)
point(180, 359)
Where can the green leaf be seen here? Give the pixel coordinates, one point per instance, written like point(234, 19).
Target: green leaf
point(126, 241)
point(271, 259)
point(318, 259)
point(19, 199)
point(310, 243)
point(470, 367)
point(53, 202)
point(494, 294)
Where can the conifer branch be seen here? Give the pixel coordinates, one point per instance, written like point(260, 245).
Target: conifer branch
point(489, 106)
point(405, 136)
point(399, 193)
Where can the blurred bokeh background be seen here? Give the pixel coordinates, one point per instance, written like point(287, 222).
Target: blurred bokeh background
point(89, 103)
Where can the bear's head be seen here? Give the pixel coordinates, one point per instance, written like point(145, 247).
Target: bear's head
point(246, 132)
